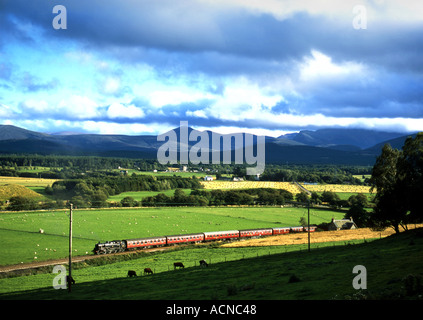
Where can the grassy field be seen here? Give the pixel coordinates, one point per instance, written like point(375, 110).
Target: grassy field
point(138, 195)
point(13, 190)
point(22, 242)
point(248, 274)
point(27, 182)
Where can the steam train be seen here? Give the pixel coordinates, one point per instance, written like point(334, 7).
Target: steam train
point(152, 242)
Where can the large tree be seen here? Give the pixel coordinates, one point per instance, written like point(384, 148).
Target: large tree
point(397, 178)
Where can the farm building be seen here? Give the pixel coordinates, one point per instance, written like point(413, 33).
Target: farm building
point(343, 224)
point(208, 178)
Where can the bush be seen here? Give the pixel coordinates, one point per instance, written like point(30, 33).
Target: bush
point(21, 203)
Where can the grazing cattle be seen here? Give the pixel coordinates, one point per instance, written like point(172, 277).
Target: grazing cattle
point(203, 263)
point(70, 280)
point(178, 265)
point(147, 271)
point(131, 273)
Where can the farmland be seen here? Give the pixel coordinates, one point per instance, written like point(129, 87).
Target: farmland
point(337, 188)
point(12, 190)
point(289, 186)
point(253, 273)
point(27, 182)
point(213, 185)
point(22, 242)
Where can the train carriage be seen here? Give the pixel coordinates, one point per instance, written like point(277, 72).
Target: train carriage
point(141, 243)
point(146, 242)
point(296, 229)
point(221, 235)
point(255, 233)
point(185, 238)
point(281, 230)
point(312, 228)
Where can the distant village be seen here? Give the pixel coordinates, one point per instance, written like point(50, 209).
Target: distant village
point(208, 177)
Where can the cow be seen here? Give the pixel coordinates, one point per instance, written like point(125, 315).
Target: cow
point(178, 264)
point(148, 271)
point(70, 280)
point(203, 263)
point(131, 273)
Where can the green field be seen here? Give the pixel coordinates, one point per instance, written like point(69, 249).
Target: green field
point(22, 242)
point(394, 267)
point(138, 195)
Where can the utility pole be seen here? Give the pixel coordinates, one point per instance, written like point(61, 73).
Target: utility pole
point(70, 249)
point(308, 223)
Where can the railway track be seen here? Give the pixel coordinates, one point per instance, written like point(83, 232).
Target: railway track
point(40, 264)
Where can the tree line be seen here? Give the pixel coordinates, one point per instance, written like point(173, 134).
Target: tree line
point(94, 192)
point(197, 197)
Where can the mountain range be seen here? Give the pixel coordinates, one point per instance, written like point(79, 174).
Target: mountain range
point(324, 146)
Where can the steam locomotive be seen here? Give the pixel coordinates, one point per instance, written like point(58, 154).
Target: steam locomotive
point(152, 242)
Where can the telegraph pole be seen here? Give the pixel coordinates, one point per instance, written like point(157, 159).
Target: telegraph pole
point(69, 282)
point(308, 223)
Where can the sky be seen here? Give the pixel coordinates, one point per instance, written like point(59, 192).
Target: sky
point(266, 67)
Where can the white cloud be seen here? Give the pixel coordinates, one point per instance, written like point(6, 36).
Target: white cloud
point(117, 110)
point(78, 107)
point(103, 127)
point(110, 85)
point(32, 106)
point(405, 11)
point(321, 66)
point(175, 96)
point(243, 100)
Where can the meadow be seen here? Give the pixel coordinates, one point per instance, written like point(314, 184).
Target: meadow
point(22, 242)
point(393, 267)
point(138, 195)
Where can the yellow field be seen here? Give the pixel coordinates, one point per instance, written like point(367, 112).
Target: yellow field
point(317, 237)
point(27, 182)
point(337, 188)
point(14, 190)
point(289, 186)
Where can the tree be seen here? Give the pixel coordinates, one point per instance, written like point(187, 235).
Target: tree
point(302, 197)
point(410, 176)
point(315, 198)
point(331, 197)
point(397, 177)
point(98, 199)
point(19, 203)
point(357, 209)
point(179, 196)
point(128, 202)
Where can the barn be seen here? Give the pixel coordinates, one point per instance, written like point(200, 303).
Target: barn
point(343, 224)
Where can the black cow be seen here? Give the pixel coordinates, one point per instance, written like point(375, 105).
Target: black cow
point(70, 280)
point(203, 263)
point(131, 273)
point(178, 265)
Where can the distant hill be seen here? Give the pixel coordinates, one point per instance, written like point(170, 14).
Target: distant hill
point(396, 143)
point(360, 138)
point(326, 146)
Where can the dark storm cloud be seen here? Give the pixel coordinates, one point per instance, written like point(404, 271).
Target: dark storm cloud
point(197, 39)
point(211, 39)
